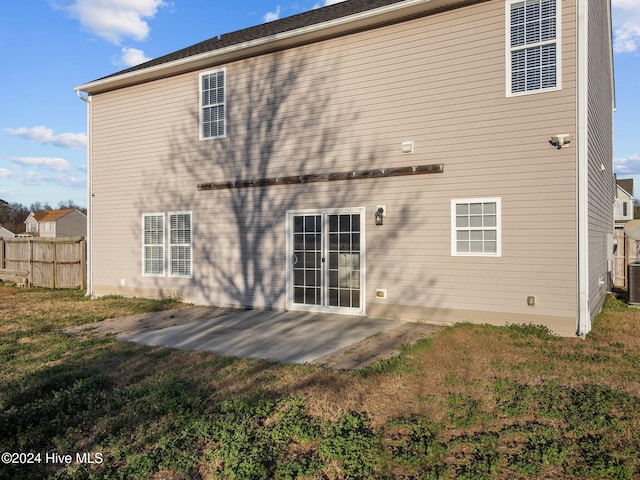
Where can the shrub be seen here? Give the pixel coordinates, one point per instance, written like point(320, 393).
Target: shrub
point(353, 444)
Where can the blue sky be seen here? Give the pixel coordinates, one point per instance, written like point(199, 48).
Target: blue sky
point(47, 47)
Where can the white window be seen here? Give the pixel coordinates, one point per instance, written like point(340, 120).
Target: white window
point(621, 209)
point(180, 244)
point(476, 227)
point(533, 46)
point(153, 244)
point(212, 104)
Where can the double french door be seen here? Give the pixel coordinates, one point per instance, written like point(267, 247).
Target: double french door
point(325, 266)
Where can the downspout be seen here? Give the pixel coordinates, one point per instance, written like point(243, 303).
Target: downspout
point(87, 100)
point(582, 160)
point(613, 127)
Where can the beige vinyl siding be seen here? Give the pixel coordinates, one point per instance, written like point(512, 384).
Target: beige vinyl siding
point(341, 105)
point(600, 153)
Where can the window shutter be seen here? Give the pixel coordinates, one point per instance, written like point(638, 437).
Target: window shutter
point(153, 245)
point(213, 104)
point(532, 45)
point(180, 244)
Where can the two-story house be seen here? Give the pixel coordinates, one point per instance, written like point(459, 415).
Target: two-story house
point(623, 207)
point(66, 222)
point(428, 160)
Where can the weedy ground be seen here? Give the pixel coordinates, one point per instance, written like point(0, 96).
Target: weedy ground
point(470, 402)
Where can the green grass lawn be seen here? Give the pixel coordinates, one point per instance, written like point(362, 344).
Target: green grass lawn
point(472, 402)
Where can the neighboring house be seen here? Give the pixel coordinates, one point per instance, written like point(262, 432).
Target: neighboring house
point(67, 222)
point(623, 206)
point(625, 248)
point(5, 233)
point(427, 160)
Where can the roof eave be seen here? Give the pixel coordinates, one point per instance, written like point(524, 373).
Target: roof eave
point(340, 26)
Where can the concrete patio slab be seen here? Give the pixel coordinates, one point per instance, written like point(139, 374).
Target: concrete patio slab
point(291, 337)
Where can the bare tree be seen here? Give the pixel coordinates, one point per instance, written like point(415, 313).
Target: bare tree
point(71, 204)
point(13, 215)
point(39, 207)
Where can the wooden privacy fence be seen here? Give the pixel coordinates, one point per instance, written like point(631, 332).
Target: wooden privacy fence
point(45, 262)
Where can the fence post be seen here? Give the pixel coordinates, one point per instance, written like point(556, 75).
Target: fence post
point(83, 263)
point(30, 264)
point(54, 245)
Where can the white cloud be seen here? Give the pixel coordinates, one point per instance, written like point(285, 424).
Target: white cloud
point(327, 3)
point(114, 20)
point(49, 163)
point(271, 16)
point(32, 178)
point(46, 171)
point(626, 25)
point(132, 57)
point(45, 135)
point(627, 166)
point(69, 181)
point(4, 173)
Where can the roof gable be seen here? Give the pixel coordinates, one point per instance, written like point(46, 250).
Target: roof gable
point(627, 185)
point(331, 21)
point(312, 17)
point(52, 215)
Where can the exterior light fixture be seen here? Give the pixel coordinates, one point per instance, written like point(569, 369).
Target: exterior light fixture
point(379, 214)
point(560, 140)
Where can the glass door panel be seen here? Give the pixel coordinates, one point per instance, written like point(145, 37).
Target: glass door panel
point(326, 270)
point(344, 260)
point(307, 259)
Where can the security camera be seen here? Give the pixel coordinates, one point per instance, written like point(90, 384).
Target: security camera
point(559, 140)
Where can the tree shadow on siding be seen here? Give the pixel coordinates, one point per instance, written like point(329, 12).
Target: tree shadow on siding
point(283, 119)
point(276, 126)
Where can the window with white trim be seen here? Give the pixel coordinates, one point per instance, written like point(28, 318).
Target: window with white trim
point(180, 244)
point(476, 227)
point(533, 49)
point(153, 244)
point(212, 104)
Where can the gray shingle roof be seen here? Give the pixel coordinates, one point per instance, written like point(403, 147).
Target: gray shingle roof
point(627, 185)
point(312, 17)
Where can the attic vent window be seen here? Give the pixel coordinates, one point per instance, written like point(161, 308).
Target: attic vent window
point(533, 52)
point(212, 104)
